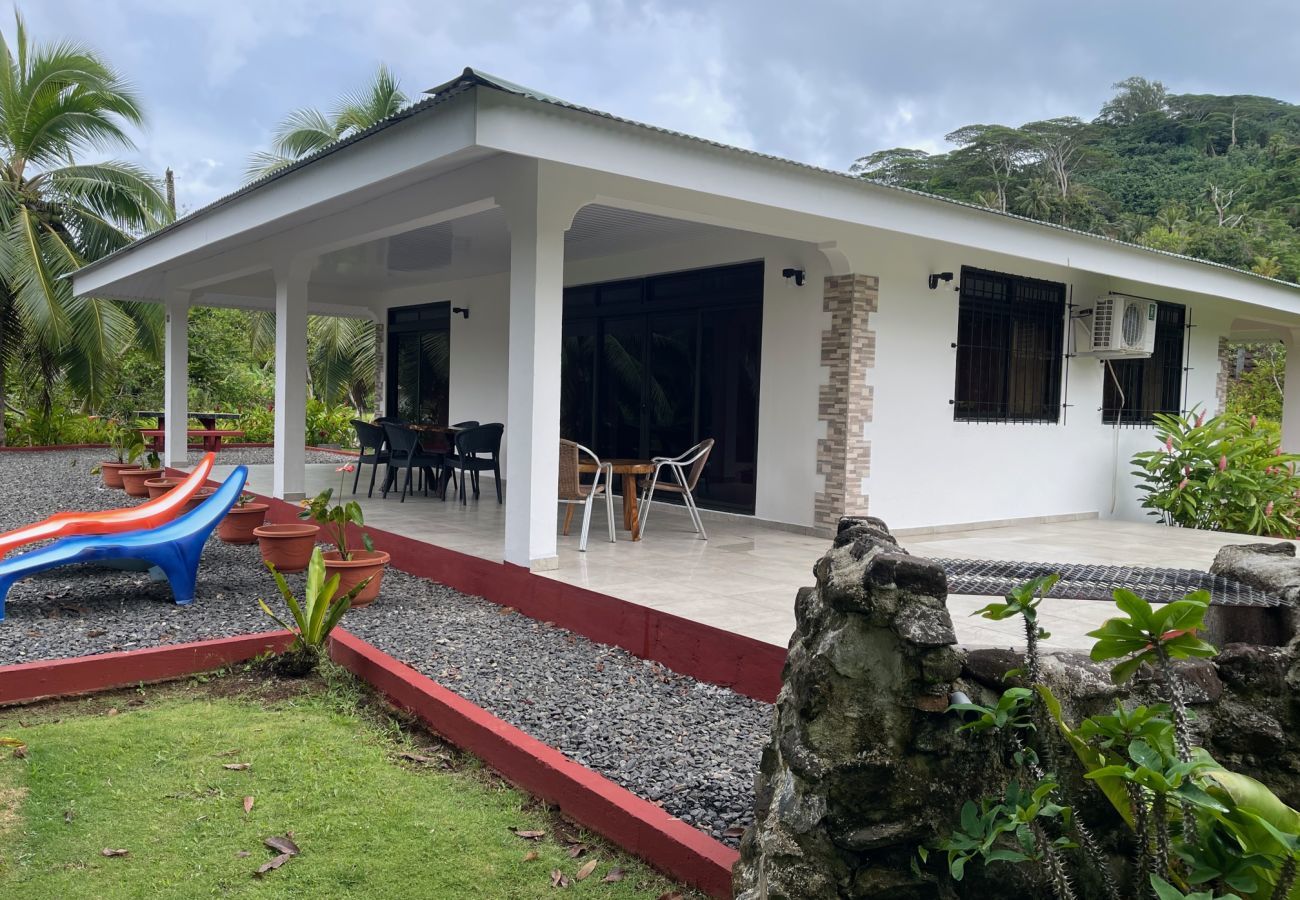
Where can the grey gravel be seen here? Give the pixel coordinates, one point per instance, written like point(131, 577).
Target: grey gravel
point(254, 456)
point(691, 747)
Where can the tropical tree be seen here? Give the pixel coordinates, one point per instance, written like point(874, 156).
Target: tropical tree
point(307, 130)
point(58, 101)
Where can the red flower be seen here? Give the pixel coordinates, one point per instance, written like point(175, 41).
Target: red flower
point(1200, 420)
point(1223, 463)
point(1169, 445)
point(1253, 421)
point(1182, 484)
point(348, 468)
point(1268, 508)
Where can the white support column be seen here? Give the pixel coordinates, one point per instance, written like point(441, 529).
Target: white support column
point(537, 221)
point(290, 461)
point(176, 378)
point(1291, 396)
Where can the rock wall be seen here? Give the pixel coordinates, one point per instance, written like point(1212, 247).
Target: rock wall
point(864, 766)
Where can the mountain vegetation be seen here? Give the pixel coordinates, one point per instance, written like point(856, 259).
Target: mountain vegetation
point(1215, 177)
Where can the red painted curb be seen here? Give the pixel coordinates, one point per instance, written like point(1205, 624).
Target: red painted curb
point(743, 664)
point(590, 799)
point(83, 674)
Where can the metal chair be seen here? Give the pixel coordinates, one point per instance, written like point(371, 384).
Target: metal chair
point(574, 492)
point(405, 452)
point(485, 439)
point(369, 437)
point(695, 458)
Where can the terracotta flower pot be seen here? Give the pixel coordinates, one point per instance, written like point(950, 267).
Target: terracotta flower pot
point(198, 497)
point(363, 564)
point(159, 486)
point(133, 480)
point(238, 525)
point(288, 546)
point(112, 473)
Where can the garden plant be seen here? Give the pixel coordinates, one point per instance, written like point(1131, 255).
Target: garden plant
point(1225, 473)
point(1197, 830)
point(313, 618)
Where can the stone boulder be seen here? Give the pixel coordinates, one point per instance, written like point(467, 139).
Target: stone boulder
point(1271, 568)
point(862, 765)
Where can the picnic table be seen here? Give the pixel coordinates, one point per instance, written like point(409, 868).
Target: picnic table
point(207, 419)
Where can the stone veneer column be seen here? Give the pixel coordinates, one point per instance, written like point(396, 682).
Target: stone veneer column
point(381, 367)
point(845, 402)
point(1226, 366)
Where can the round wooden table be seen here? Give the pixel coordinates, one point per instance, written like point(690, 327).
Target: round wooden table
point(629, 469)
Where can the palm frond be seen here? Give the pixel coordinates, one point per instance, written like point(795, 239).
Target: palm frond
point(358, 110)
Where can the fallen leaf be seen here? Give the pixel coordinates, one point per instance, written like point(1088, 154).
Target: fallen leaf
point(530, 856)
point(529, 835)
point(96, 632)
point(576, 850)
point(735, 831)
point(243, 854)
point(585, 872)
point(559, 879)
point(272, 864)
point(613, 876)
point(671, 895)
point(20, 752)
point(68, 816)
point(109, 851)
point(12, 742)
point(112, 711)
point(417, 757)
point(237, 767)
point(248, 805)
point(282, 845)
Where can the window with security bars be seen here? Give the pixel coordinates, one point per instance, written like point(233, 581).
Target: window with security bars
point(1010, 339)
point(1153, 384)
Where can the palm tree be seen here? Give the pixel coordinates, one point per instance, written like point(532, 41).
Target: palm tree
point(57, 101)
point(307, 130)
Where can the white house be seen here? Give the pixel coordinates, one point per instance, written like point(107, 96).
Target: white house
point(692, 290)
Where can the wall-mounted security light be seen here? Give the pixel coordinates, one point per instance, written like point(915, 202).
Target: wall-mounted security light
point(797, 274)
point(463, 310)
point(935, 278)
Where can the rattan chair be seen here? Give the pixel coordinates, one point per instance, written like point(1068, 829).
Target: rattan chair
point(574, 492)
point(694, 458)
point(373, 448)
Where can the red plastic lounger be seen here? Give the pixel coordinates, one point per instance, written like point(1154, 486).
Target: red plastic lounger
point(174, 547)
point(158, 511)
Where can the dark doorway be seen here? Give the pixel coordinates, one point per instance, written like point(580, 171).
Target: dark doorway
point(419, 362)
point(652, 365)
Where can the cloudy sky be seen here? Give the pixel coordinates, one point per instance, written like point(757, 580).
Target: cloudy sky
point(822, 81)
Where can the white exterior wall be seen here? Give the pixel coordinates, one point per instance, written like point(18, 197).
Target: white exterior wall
point(926, 469)
point(929, 470)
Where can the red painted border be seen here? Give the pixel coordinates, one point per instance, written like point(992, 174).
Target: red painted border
point(747, 666)
point(590, 799)
point(83, 674)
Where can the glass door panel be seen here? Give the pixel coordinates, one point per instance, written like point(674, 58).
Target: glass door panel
point(730, 344)
point(622, 388)
point(578, 382)
point(672, 395)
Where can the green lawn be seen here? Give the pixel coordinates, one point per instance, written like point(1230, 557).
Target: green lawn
point(151, 779)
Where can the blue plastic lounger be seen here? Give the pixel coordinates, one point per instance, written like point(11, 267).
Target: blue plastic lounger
point(175, 547)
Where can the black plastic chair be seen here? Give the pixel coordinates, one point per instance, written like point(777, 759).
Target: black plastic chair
point(468, 423)
point(405, 452)
point(474, 446)
point(369, 437)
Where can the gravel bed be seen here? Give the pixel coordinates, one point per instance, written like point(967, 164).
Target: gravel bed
point(257, 456)
point(691, 747)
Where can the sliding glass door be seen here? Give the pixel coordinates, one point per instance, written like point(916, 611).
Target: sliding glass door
point(653, 365)
point(419, 362)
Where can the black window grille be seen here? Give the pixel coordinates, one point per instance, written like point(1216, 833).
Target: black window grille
point(1153, 384)
point(1010, 335)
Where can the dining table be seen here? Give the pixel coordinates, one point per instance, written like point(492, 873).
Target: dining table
point(630, 470)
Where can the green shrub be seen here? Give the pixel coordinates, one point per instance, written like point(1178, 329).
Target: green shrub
point(61, 425)
point(330, 425)
point(1227, 473)
point(258, 423)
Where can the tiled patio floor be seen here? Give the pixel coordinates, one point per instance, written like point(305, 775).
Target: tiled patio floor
point(744, 578)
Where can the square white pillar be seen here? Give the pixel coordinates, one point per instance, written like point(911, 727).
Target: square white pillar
point(289, 470)
point(533, 402)
point(176, 379)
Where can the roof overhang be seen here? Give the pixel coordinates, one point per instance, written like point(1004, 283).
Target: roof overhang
point(475, 117)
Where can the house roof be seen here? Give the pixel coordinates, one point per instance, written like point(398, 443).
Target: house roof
point(472, 78)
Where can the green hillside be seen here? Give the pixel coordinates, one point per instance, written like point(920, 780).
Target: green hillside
point(1209, 176)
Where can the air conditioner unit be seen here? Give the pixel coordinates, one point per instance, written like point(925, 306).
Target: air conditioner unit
point(1123, 327)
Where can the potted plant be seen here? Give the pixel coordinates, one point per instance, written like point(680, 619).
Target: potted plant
point(287, 546)
point(323, 605)
point(353, 566)
point(238, 525)
point(159, 486)
point(127, 446)
point(133, 479)
point(198, 497)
